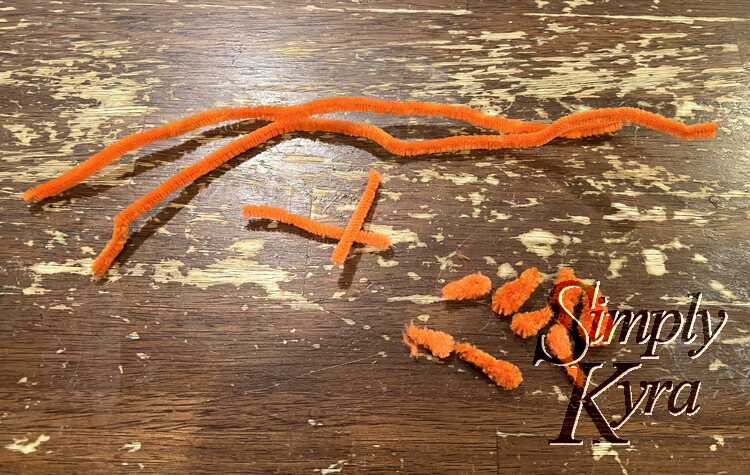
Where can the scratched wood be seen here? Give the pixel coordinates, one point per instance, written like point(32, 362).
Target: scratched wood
point(218, 346)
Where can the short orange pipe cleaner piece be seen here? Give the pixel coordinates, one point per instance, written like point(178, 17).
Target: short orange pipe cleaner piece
point(596, 322)
point(471, 286)
point(511, 296)
point(379, 241)
point(504, 373)
point(440, 344)
point(529, 323)
point(357, 219)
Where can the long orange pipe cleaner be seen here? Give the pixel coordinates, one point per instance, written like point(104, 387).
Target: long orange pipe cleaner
point(377, 240)
point(572, 123)
point(357, 219)
point(321, 106)
point(399, 147)
point(390, 143)
point(134, 141)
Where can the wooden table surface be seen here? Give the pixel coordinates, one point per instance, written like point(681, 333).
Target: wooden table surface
point(215, 346)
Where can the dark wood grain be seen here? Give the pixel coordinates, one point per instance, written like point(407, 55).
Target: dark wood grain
point(256, 356)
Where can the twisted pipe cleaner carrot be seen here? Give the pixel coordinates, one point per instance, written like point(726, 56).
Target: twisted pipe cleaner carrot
point(377, 240)
point(512, 295)
point(440, 344)
point(340, 104)
point(390, 143)
point(528, 324)
point(357, 218)
point(503, 373)
point(472, 286)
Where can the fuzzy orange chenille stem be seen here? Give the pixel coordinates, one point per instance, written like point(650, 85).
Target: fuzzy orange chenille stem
point(511, 296)
point(321, 106)
point(357, 219)
point(529, 323)
point(471, 286)
point(440, 344)
point(379, 241)
point(570, 298)
point(390, 143)
point(612, 120)
point(504, 373)
point(561, 347)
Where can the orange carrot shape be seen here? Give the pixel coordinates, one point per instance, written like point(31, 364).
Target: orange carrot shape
point(321, 106)
point(357, 219)
point(529, 323)
point(511, 296)
point(472, 286)
point(504, 373)
point(377, 240)
point(440, 344)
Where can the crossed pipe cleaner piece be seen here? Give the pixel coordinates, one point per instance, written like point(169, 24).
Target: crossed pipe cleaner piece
point(379, 241)
point(272, 113)
point(346, 237)
point(575, 123)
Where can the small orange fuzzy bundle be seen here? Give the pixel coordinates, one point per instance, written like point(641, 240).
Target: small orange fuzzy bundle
point(529, 323)
point(511, 296)
point(504, 373)
point(439, 343)
point(472, 286)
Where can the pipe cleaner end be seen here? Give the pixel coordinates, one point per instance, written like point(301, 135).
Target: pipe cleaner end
point(31, 196)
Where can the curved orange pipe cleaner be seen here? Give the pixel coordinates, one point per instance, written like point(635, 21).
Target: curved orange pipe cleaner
point(390, 143)
point(321, 106)
point(139, 139)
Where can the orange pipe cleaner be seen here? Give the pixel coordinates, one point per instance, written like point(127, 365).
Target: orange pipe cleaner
point(559, 343)
point(357, 219)
point(439, 343)
point(470, 287)
point(529, 323)
point(321, 106)
point(511, 296)
point(504, 373)
point(390, 143)
point(611, 120)
point(380, 241)
point(567, 277)
point(181, 179)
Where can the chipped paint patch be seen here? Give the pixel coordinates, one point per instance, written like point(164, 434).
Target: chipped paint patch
point(416, 298)
point(605, 449)
point(236, 270)
point(540, 242)
point(26, 447)
point(632, 213)
point(719, 287)
point(654, 260)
